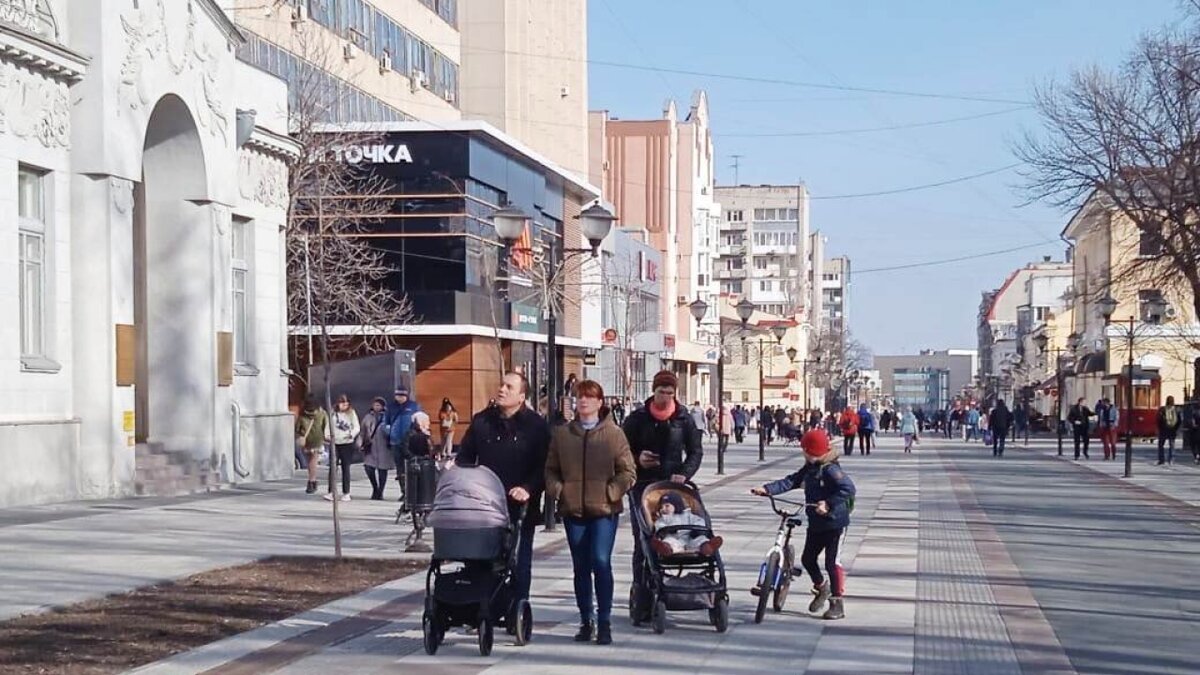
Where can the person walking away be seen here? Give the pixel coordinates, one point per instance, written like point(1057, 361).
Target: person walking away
point(399, 420)
point(999, 422)
point(848, 424)
point(739, 423)
point(909, 428)
point(1021, 422)
point(447, 419)
point(512, 440)
point(866, 429)
point(589, 468)
point(665, 444)
point(885, 420)
point(1168, 427)
point(377, 455)
point(1191, 428)
point(420, 437)
point(780, 421)
point(766, 423)
point(1080, 418)
point(345, 439)
point(618, 411)
point(312, 433)
point(1108, 416)
point(972, 424)
point(829, 498)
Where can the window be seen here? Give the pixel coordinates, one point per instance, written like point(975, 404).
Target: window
point(764, 285)
point(1041, 313)
point(745, 397)
point(32, 237)
point(760, 262)
point(734, 216)
point(240, 256)
point(1150, 240)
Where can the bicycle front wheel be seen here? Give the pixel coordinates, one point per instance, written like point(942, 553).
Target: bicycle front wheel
point(770, 578)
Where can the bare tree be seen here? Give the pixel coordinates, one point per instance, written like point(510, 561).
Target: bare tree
point(631, 314)
point(836, 355)
point(336, 280)
point(1128, 143)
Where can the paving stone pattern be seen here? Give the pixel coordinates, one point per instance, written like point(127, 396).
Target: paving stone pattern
point(959, 627)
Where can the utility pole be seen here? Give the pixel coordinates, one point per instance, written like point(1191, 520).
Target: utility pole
point(737, 165)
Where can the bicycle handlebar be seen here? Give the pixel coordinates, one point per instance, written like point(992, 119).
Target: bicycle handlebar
point(781, 512)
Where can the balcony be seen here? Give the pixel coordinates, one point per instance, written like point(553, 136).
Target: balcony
point(732, 249)
point(734, 226)
point(731, 274)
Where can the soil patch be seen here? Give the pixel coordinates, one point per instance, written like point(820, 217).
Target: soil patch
point(131, 629)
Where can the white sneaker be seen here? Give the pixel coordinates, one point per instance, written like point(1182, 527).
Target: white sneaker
point(345, 498)
point(328, 496)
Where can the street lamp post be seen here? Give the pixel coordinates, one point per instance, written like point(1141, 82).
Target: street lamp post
point(1155, 310)
point(511, 223)
point(1059, 379)
point(745, 309)
point(778, 331)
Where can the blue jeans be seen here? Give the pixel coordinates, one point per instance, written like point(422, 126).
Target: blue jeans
point(591, 541)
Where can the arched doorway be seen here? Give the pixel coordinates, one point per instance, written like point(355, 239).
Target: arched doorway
point(173, 287)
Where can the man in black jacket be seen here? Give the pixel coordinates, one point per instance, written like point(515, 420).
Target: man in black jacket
point(999, 422)
point(1080, 418)
point(512, 440)
point(666, 446)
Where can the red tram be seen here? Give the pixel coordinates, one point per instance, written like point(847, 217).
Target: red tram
point(1147, 392)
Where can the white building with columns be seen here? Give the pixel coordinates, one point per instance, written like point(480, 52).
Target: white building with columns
point(143, 282)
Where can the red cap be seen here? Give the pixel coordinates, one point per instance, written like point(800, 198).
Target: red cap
point(815, 443)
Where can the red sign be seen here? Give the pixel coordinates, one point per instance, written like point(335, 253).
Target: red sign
point(649, 268)
point(609, 337)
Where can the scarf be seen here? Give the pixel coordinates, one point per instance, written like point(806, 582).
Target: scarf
point(662, 414)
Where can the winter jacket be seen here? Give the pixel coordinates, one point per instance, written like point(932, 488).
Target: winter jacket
point(418, 445)
point(973, 417)
point(1079, 415)
point(675, 440)
point(312, 428)
point(375, 448)
point(698, 418)
point(589, 470)
point(848, 422)
point(908, 424)
point(766, 419)
point(1108, 416)
point(1000, 421)
point(345, 427)
point(726, 425)
point(1166, 426)
point(399, 421)
point(866, 420)
point(821, 482)
point(514, 448)
point(739, 418)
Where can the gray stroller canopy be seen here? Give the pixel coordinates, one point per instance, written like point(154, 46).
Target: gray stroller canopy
point(469, 497)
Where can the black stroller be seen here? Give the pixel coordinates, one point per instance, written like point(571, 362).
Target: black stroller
point(470, 578)
point(687, 581)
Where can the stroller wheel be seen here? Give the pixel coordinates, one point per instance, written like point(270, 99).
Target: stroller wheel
point(485, 637)
point(524, 623)
point(430, 632)
point(719, 614)
point(659, 619)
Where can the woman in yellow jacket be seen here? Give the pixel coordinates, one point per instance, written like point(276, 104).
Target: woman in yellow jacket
point(588, 470)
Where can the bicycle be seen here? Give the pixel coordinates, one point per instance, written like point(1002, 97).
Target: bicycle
point(777, 568)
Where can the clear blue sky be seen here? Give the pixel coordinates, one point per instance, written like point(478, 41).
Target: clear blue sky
point(993, 49)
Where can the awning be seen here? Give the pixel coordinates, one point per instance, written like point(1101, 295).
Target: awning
point(1093, 363)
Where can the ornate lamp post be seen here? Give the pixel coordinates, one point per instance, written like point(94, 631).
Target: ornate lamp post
point(698, 309)
point(1154, 310)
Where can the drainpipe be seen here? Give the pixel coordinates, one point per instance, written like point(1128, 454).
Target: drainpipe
point(237, 440)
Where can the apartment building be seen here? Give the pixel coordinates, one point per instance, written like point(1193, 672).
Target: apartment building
point(359, 60)
point(762, 247)
point(835, 295)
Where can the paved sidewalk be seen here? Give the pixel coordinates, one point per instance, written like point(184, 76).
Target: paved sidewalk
point(922, 597)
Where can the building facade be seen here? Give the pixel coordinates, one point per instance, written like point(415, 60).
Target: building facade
point(1108, 256)
point(913, 374)
point(147, 272)
point(658, 176)
point(634, 342)
point(835, 295)
point(446, 181)
point(365, 60)
point(762, 251)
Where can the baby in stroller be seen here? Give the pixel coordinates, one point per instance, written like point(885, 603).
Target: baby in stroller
point(678, 539)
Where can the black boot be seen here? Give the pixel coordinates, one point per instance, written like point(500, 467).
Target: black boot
point(604, 633)
point(585, 632)
point(311, 488)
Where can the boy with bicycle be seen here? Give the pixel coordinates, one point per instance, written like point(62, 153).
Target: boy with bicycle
point(829, 499)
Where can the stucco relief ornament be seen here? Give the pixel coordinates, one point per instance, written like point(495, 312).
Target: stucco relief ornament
point(220, 218)
point(33, 107)
point(122, 194)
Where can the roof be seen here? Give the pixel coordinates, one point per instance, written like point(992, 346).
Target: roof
point(475, 126)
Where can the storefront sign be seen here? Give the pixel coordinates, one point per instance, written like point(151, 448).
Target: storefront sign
point(647, 268)
point(526, 318)
point(379, 153)
point(609, 337)
point(589, 359)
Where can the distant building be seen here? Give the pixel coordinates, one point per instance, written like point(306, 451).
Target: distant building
point(835, 290)
point(930, 377)
point(633, 337)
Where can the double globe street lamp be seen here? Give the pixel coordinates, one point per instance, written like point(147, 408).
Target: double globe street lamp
point(512, 224)
point(1154, 311)
point(1073, 341)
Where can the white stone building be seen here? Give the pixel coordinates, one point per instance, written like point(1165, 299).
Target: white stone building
point(144, 277)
